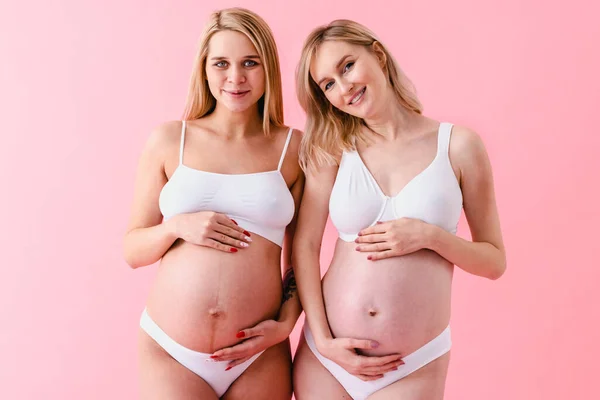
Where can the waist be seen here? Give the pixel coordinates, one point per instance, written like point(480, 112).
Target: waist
point(202, 297)
point(396, 301)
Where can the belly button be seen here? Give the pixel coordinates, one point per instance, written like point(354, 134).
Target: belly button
point(215, 312)
point(372, 313)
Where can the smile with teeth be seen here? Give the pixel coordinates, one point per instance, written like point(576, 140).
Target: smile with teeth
point(358, 96)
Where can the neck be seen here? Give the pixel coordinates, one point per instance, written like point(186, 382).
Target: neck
point(392, 120)
point(238, 124)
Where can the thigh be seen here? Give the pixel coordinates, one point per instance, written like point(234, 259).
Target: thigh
point(268, 377)
point(162, 377)
point(312, 381)
point(427, 383)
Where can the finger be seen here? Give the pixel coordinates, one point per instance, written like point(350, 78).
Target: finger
point(241, 350)
point(384, 254)
point(228, 222)
point(219, 246)
point(232, 233)
point(367, 378)
point(371, 238)
point(237, 362)
point(383, 369)
point(222, 238)
point(378, 362)
point(364, 344)
point(374, 247)
point(250, 332)
point(377, 228)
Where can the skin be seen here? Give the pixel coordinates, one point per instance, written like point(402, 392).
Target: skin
point(218, 288)
point(392, 287)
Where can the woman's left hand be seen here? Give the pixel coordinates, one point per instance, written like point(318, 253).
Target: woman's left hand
point(393, 238)
point(256, 339)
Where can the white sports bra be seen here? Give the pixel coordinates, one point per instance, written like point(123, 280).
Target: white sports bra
point(259, 202)
point(433, 196)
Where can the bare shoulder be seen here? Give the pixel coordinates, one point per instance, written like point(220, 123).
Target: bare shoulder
point(467, 148)
point(164, 136)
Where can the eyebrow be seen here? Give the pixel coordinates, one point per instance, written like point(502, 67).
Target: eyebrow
point(225, 58)
point(336, 67)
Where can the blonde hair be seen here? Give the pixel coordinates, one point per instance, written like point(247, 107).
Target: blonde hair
point(200, 101)
point(329, 131)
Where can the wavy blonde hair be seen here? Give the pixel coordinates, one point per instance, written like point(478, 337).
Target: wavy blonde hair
point(200, 101)
point(328, 131)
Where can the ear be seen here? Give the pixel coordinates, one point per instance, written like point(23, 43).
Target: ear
point(377, 49)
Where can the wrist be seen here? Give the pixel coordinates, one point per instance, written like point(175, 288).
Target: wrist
point(171, 227)
point(430, 236)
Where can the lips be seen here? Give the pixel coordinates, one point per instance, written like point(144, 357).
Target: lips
point(236, 92)
point(357, 97)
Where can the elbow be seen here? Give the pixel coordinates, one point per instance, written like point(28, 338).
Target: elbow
point(130, 260)
point(498, 270)
point(129, 256)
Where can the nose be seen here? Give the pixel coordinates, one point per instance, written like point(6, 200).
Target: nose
point(236, 75)
point(346, 87)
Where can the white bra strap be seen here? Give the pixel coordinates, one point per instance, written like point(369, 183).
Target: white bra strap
point(182, 141)
point(287, 142)
point(444, 137)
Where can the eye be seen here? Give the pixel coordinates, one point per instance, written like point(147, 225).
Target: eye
point(328, 85)
point(221, 64)
point(250, 63)
point(348, 66)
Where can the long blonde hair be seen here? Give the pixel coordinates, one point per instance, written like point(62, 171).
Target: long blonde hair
point(200, 101)
point(329, 131)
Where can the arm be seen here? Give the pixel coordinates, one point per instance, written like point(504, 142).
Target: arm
point(290, 307)
point(307, 249)
point(147, 239)
point(485, 255)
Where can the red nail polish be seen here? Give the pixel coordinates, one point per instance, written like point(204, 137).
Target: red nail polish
point(246, 233)
point(233, 250)
point(227, 369)
point(357, 248)
point(240, 334)
point(234, 221)
point(369, 258)
point(214, 357)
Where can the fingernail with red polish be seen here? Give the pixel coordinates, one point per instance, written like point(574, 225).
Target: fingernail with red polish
point(234, 221)
point(214, 357)
point(233, 250)
point(240, 334)
point(227, 369)
point(357, 248)
point(246, 233)
point(369, 258)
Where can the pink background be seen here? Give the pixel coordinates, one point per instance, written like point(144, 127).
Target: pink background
point(83, 82)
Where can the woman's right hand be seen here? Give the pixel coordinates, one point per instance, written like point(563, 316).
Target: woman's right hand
point(211, 229)
point(342, 351)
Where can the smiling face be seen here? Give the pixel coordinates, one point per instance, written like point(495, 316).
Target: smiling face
point(234, 71)
point(351, 77)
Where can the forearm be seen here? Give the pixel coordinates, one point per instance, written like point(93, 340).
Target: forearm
point(290, 307)
point(477, 258)
point(308, 276)
point(145, 246)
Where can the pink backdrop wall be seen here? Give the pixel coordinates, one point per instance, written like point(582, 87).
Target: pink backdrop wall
point(83, 82)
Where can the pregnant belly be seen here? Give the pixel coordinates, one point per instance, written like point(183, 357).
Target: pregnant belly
point(401, 302)
point(202, 297)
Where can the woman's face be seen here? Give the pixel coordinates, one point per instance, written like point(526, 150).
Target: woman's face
point(351, 77)
point(234, 71)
